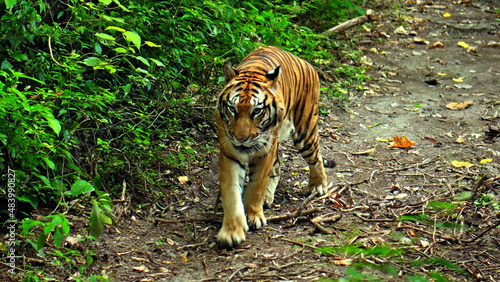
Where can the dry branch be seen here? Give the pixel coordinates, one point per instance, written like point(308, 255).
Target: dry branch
point(298, 243)
point(291, 215)
point(188, 219)
point(350, 23)
point(319, 219)
point(374, 220)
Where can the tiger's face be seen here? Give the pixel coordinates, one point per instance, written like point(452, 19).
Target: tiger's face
point(249, 109)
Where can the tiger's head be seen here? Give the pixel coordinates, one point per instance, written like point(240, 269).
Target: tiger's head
point(249, 107)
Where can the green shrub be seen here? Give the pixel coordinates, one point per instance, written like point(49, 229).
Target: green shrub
point(105, 88)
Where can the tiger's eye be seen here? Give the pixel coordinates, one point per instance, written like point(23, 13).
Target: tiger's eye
point(232, 110)
point(257, 111)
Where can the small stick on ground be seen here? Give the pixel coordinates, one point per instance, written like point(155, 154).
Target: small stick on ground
point(493, 226)
point(346, 25)
point(188, 219)
point(230, 278)
point(373, 220)
point(317, 222)
point(298, 243)
point(291, 215)
point(305, 202)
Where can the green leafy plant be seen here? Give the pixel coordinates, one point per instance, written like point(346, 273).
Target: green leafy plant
point(390, 252)
point(92, 88)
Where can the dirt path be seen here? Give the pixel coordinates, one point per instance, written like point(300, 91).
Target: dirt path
point(388, 188)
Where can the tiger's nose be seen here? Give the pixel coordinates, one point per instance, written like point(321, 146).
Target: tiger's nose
point(242, 139)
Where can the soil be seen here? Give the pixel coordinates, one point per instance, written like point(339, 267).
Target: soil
point(389, 197)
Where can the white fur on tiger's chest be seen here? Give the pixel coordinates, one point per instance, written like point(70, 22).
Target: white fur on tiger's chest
point(286, 130)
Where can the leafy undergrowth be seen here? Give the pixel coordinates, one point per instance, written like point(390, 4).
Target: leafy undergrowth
point(97, 106)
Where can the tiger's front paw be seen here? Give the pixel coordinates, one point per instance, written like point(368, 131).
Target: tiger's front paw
point(256, 220)
point(232, 232)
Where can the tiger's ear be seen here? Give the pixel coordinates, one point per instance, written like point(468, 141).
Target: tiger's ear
point(273, 76)
point(229, 72)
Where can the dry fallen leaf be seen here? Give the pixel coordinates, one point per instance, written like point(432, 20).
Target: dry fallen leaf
point(459, 140)
point(400, 142)
point(366, 152)
point(183, 179)
point(184, 257)
point(459, 106)
point(344, 262)
point(472, 49)
point(493, 44)
point(401, 30)
point(436, 45)
point(141, 268)
point(458, 164)
point(463, 86)
point(73, 240)
point(460, 79)
point(420, 40)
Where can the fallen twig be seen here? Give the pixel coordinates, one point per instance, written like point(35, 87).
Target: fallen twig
point(374, 220)
point(230, 278)
point(291, 215)
point(346, 25)
point(305, 202)
point(188, 219)
point(317, 222)
point(488, 229)
point(298, 243)
point(192, 246)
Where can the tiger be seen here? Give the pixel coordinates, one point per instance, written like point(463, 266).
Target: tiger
point(270, 97)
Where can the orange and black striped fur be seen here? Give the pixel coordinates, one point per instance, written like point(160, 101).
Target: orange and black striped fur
point(271, 96)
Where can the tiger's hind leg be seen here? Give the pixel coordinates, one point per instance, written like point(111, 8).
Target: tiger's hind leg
point(309, 150)
point(274, 178)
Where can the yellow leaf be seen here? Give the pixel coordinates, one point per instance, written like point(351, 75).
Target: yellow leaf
point(446, 15)
point(442, 74)
point(459, 106)
point(459, 140)
point(383, 53)
point(485, 161)
point(463, 44)
point(458, 164)
point(460, 79)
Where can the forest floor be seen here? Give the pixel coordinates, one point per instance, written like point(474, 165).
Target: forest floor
point(428, 211)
